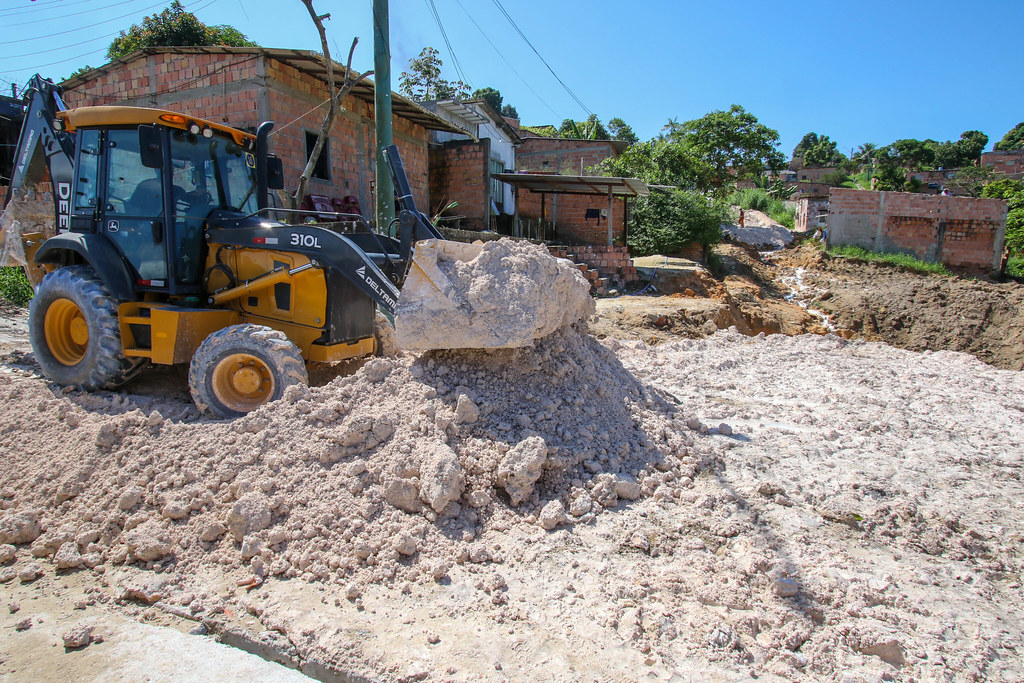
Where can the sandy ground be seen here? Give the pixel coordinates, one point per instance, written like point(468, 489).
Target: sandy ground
point(721, 508)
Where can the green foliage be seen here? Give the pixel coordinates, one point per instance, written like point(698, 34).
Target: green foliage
point(914, 155)
point(823, 153)
point(1013, 192)
point(79, 72)
point(964, 152)
point(836, 179)
point(620, 130)
point(733, 145)
point(906, 261)
point(509, 111)
point(889, 175)
point(1014, 139)
point(174, 26)
point(423, 82)
point(591, 129)
point(806, 142)
point(971, 180)
point(14, 286)
point(912, 184)
point(775, 188)
point(543, 131)
point(865, 155)
point(491, 95)
point(659, 162)
point(1015, 266)
point(759, 200)
point(666, 221)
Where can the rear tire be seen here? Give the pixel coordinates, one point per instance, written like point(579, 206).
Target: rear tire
point(242, 367)
point(74, 331)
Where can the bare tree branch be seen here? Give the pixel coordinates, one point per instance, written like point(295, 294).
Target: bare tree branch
point(336, 97)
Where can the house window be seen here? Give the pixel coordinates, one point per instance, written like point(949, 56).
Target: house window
point(322, 170)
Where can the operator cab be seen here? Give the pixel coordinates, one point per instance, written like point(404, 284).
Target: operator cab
point(148, 180)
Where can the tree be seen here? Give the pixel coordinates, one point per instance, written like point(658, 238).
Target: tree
point(964, 152)
point(823, 153)
point(423, 82)
point(889, 175)
point(971, 180)
point(914, 155)
point(1012, 191)
point(835, 178)
point(667, 221)
point(509, 111)
point(591, 129)
point(734, 144)
point(620, 130)
point(865, 155)
point(1014, 139)
point(806, 142)
point(174, 26)
point(490, 95)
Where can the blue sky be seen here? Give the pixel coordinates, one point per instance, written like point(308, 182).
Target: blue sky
point(870, 71)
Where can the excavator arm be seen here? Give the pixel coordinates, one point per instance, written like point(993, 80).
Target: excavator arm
point(40, 130)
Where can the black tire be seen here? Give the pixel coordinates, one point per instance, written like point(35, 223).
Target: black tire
point(73, 328)
point(242, 367)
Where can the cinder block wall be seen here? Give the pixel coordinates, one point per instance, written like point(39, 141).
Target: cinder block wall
point(460, 171)
point(242, 90)
point(964, 233)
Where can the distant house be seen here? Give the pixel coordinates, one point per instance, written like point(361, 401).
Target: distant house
point(246, 86)
point(462, 165)
point(1010, 162)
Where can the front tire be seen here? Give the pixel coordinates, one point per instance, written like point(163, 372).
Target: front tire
point(75, 334)
point(240, 368)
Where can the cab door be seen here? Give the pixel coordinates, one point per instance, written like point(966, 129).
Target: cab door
point(133, 215)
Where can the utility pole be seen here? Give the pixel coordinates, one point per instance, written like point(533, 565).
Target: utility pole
point(382, 113)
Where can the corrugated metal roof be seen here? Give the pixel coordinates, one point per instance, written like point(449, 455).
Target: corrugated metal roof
point(306, 61)
point(572, 184)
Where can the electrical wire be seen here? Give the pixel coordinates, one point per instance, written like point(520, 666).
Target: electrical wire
point(444, 34)
point(78, 28)
point(73, 14)
point(14, 11)
point(501, 8)
point(504, 59)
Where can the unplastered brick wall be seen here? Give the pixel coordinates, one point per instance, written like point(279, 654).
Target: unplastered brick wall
point(964, 233)
point(1010, 162)
point(242, 90)
point(459, 171)
point(557, 155)
point(604, 265)
point(568, 212)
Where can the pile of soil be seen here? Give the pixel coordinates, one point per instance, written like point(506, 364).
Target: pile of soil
point(793, 507)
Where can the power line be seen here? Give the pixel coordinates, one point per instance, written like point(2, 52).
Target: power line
point(498, 4)
point(78, 28)
point(444, 34)
point(73, 14)
point(34, 9)
point(510, 66)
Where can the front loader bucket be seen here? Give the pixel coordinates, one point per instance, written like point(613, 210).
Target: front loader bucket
point(498, 294)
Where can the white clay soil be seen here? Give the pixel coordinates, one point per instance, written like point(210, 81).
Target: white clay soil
point(507, 295)
point(781, 507)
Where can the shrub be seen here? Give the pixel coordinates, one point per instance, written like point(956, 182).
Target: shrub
point(904, 260)
point(759, 200)
point(14, 286)
point(666, 221)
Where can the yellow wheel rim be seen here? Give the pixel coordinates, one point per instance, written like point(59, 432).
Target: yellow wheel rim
point(67, 332)
point(242, 382)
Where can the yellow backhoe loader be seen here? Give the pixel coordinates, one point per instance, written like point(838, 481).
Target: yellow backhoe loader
point(165, 252)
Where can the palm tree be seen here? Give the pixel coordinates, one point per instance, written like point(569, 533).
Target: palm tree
point(866, 154)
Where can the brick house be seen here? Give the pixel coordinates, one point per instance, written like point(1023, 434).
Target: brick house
point(964, 233)
point(462, 165)
point(1010, 162)
point(575, 218)
point(243, 87)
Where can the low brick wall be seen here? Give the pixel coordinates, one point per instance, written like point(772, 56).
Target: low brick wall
point(964, 233)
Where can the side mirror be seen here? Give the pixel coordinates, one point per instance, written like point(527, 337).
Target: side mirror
point(275, 173)
point(151, 147)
